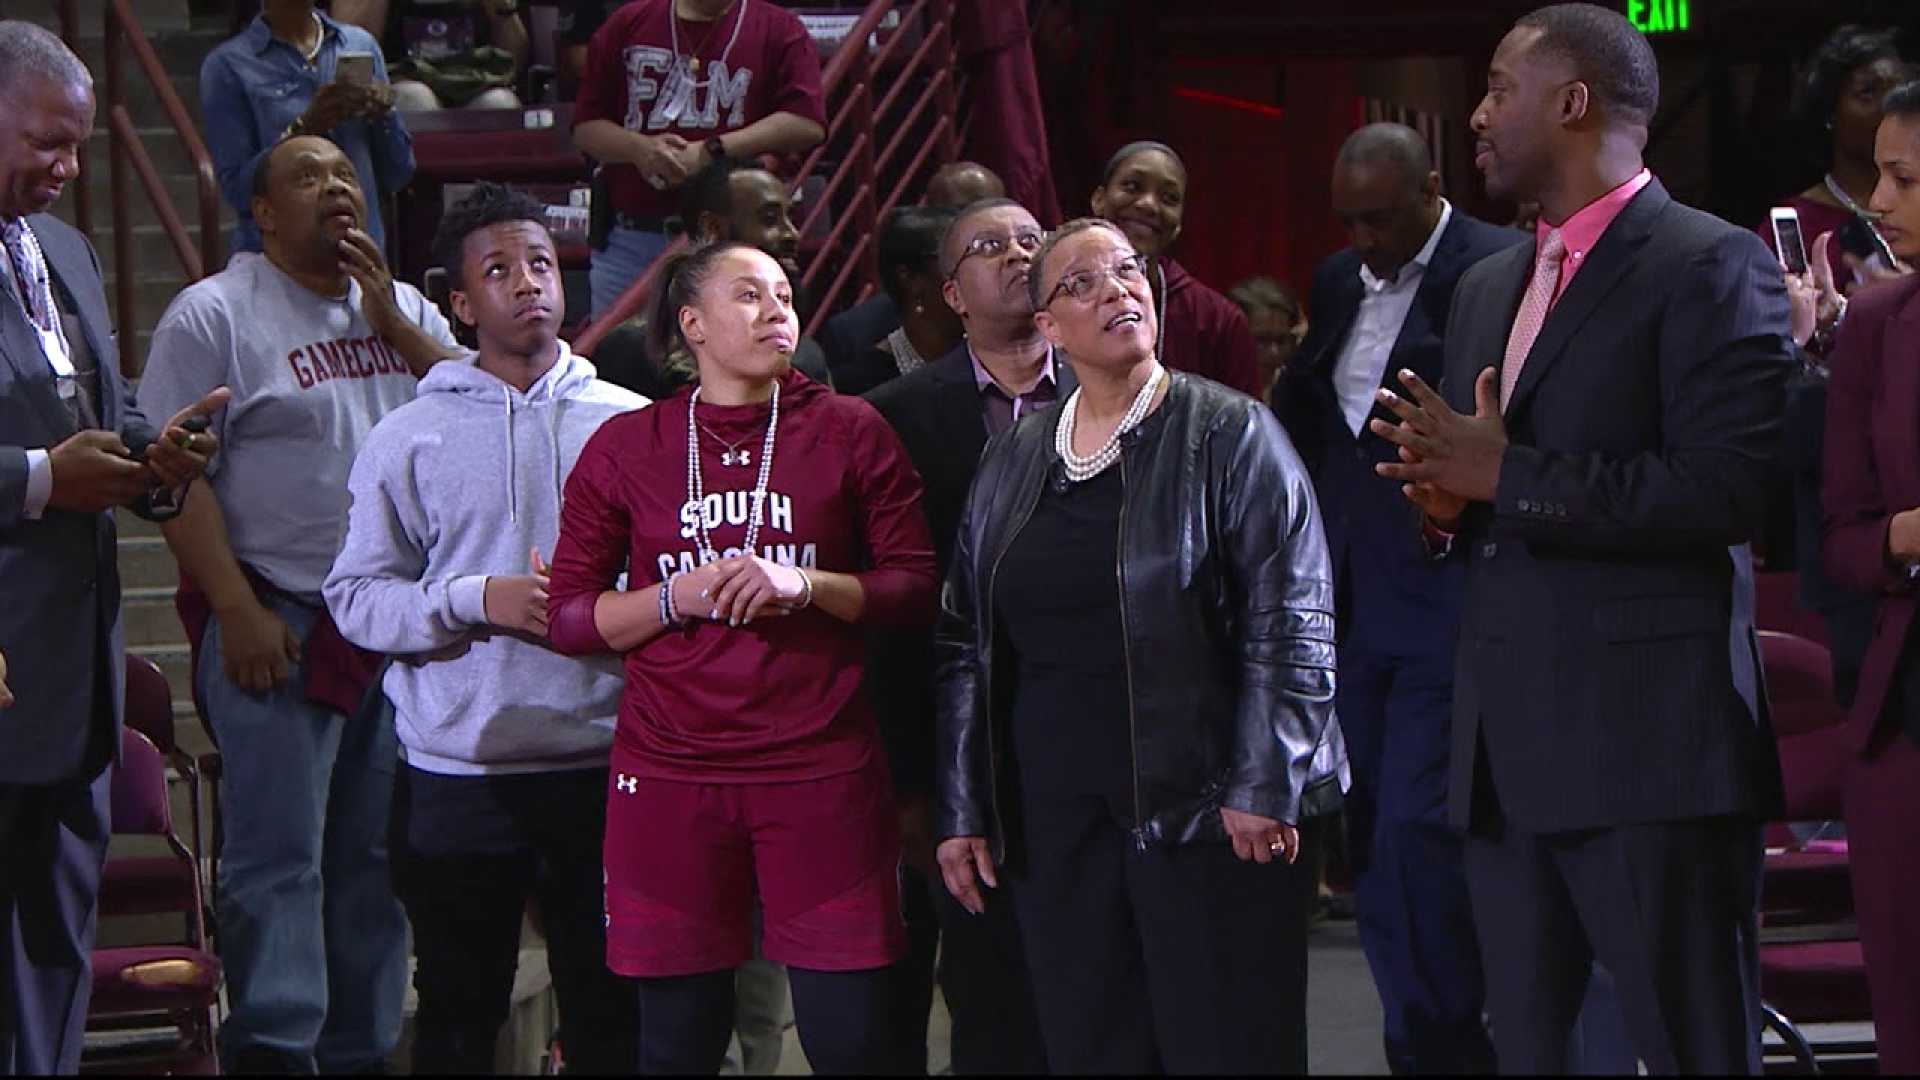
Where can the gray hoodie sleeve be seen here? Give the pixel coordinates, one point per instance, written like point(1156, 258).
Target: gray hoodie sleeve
point(376, 591)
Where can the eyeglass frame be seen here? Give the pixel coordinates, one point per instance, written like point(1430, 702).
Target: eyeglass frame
point(1010, 240)
point(1106, 271)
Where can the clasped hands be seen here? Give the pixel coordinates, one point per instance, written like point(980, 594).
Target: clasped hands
point(1447, 459)
point(738, 590)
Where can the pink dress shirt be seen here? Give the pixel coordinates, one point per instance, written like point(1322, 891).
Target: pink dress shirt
point(1584, 229)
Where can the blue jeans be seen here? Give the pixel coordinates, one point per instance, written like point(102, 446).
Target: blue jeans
point(627, 255)
point(313, 940)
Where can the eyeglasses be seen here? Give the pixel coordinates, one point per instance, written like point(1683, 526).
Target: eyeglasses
point(993, 245)
point(1080, 284)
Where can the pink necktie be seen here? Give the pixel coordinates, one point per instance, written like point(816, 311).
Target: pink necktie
point(1533, 311)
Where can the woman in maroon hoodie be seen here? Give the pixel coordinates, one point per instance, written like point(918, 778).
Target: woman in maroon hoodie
point(759, 518)
point(1144, 191)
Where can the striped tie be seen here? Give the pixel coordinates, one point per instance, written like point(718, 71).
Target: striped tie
point(28, 273)
point(1533, 311)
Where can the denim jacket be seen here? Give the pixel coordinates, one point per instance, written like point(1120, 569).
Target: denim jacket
point(253, 85)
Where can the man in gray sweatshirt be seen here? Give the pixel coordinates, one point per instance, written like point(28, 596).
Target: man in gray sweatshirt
point(503, 792)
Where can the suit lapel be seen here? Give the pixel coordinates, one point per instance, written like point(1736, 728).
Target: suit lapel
point(1419, 323)
point(1609, 261)
point(32, 373)
point(957, 415)
point(1347, 303)
point(1482, 337)
point(1902, 401)
point(70, 263)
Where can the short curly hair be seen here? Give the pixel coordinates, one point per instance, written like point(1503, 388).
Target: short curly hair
point(487, 204)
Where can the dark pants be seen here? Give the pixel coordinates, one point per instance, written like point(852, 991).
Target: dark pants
point(1175, 959)
point(1669, 908)
point(983, 976)
point(1410, 889)
point(468, 852)
point(1883, 802)
point(53, 844)
point(843, 1017)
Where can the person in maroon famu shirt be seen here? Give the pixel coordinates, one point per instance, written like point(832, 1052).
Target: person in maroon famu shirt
point(759, 518)
point(1144, 191)
point(673, 84)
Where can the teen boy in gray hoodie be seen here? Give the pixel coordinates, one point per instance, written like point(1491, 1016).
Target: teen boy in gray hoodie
point(504, 789)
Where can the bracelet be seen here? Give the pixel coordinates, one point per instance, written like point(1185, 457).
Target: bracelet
point(669, 613)
point(806, 590)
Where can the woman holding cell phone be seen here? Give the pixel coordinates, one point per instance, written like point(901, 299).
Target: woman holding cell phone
point(1871, 544)
point(296, 71)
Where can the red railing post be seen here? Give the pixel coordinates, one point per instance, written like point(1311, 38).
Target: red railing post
point(941, 15)
point(868, 193)
point(123, 315)
point(82, 198)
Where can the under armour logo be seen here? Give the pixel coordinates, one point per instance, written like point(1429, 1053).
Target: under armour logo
point(627, 784)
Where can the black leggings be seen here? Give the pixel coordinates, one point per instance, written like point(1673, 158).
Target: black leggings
point(686, 1020)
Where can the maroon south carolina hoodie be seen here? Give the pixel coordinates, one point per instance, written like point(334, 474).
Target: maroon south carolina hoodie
point(780, 699)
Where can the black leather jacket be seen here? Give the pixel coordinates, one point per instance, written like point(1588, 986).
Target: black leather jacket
point(1227, 620)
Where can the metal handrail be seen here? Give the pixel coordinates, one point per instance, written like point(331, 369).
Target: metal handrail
point(848, 75)
point(120, 23)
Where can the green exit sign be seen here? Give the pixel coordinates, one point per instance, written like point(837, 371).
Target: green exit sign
point(1659, 16)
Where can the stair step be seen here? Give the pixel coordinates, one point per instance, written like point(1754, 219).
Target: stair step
point(143, 103)
point(147, 616)
point(156, 16)
point(146, 563)
point(182, 188)
point(153, 287)
point(162, 143)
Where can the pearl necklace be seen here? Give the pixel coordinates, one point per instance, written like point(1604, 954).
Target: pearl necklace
point(1080, 469)
point(696, 485)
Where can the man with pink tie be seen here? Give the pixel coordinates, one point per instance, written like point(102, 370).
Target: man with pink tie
point(1599, 461)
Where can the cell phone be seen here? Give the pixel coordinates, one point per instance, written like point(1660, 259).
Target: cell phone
point(1860, 239)
point(355, 68)
point(1787, 240)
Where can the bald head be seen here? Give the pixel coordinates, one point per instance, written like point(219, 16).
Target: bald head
point(963, 183)
point(26, 49)
point(1392, 146)
point(1386, 195)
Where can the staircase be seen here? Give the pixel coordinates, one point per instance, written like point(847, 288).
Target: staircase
point(182, 32)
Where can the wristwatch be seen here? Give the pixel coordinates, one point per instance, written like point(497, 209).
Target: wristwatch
point(715, 148)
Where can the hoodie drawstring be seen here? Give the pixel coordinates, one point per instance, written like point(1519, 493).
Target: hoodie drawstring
point(513, 502)
point(553, 438)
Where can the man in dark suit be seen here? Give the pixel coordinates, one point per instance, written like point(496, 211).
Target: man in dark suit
point(1600, 459)
point(944, 413)
point(75, 447)
point(1380, 306)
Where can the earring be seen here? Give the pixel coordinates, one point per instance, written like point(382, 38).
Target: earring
point(919, 309)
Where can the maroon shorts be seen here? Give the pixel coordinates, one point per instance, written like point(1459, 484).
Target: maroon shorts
point(685, 863)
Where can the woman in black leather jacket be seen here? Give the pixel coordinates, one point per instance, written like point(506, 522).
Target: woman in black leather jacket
point(1136, 695)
